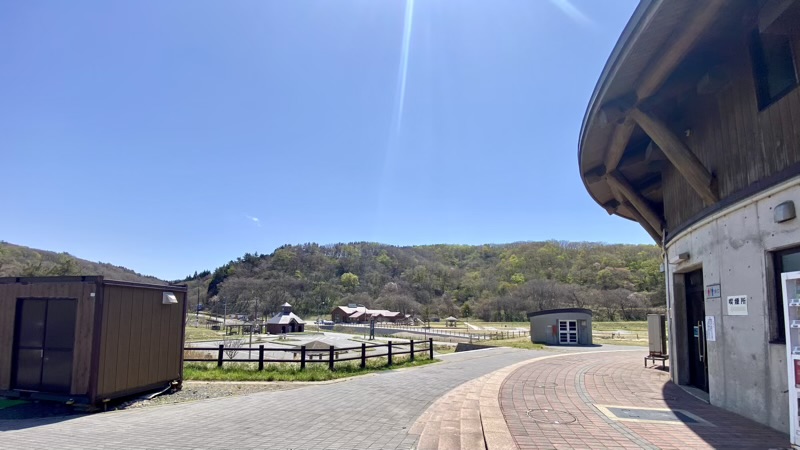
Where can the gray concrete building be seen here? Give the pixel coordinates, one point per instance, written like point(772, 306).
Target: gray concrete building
point(693, 130)
point(569, 326)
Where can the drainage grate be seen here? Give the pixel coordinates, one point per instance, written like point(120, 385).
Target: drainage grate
point(652, 415)
point(550, 416)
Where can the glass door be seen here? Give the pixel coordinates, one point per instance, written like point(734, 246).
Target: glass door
point(568, 332)
point(45, 330)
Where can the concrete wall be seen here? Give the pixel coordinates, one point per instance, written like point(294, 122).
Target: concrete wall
point(541, 334)
point(747, 374)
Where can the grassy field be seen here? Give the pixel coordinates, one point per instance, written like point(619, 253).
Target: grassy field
point(292, 372)
point(634, 326)
point(201, 334)
point(521, 342)
point(637, 333)
point(500, 325)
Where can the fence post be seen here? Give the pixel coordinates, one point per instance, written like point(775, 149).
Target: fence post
point(430, 347)
point(390, 353)
point(219, 355)
point(363, 355)
point(330, 358)
point(261, 357)
point(303, 357)
point(412, 350)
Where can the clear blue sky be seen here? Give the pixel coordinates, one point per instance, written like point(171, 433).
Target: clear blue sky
point(174, 136)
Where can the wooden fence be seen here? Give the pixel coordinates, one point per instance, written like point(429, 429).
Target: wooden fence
point(306, 355)
point(478, 335)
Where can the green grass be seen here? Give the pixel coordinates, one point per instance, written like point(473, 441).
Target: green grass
point(442, 349)
point(634, 326)
point(606, 341)
point(7, 403)
point(292, 372)
point(639, 328)
point(500, 325)
point(520, 342)
point(201, 334)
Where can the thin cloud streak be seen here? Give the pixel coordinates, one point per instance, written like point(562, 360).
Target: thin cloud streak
point(572, 12)
point(407, 26)
point(254, 219)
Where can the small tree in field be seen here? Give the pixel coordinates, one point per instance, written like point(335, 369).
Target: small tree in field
point(232, 347)
point(466, 311)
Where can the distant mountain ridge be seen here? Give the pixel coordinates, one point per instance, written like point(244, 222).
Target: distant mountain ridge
point(21, 261)
point(495, 282)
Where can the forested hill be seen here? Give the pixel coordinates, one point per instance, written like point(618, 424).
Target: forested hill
point(19, 261)
point(492, 282)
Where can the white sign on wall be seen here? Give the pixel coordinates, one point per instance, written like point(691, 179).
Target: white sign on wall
point(737, 305)
point(713, 291)
point(711, 329)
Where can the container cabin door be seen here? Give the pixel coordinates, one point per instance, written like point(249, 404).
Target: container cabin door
point(43, 344)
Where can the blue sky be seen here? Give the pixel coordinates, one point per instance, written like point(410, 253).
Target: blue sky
point(170, 137)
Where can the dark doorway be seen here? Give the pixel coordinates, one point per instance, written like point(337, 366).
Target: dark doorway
point(43, 342)
point(695, 318)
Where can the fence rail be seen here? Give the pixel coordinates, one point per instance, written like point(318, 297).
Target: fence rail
point(439, 331)
point(306, 355)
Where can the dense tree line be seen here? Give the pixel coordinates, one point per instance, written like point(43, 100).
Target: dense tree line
point(19, 261)
point(491, 282)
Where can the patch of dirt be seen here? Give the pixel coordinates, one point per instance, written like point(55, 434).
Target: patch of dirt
point(199, 390)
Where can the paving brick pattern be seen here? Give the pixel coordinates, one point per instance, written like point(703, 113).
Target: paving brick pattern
point(368, 412)
point(575, 383)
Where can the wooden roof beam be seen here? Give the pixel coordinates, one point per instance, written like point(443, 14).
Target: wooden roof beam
point(664, 63)
point(594, 174)
point(619, 142)
point(621, 185)
point(771, 12)
point(644, 223)
point(611, 206)
point(678, 154)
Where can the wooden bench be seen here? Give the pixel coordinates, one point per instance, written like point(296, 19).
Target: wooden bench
point(654, 357)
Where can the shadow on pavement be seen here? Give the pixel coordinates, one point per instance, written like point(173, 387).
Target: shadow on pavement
point(21, 414)
point(721, 428)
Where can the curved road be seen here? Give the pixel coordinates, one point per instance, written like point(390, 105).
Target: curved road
point(373, 411)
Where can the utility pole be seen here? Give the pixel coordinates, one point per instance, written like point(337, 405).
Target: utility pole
point(197, 314)
point(255, 316)
point(224, 316)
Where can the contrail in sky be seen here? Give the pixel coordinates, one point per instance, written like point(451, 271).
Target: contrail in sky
point(407, 24)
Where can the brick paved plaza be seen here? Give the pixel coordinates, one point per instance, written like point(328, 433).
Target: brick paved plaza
point(568, 389)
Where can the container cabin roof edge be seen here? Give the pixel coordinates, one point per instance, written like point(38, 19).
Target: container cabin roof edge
point(94, 279)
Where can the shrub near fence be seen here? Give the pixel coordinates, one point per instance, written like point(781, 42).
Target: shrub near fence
point(333, 354)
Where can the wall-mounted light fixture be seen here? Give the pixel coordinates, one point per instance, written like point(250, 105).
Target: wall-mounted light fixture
point(679, 258)
point(784, 211)
point(168, 298)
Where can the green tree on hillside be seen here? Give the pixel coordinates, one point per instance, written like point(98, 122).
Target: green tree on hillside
point(349, 281)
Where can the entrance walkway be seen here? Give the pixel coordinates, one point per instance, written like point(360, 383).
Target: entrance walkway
point(373, 411)
point(609, 400)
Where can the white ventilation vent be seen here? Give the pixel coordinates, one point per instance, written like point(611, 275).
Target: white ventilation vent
point(169, 299)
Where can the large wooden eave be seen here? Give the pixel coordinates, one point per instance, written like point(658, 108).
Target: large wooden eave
point(628, 114)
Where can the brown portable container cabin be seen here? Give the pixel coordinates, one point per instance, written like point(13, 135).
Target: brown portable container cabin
point(87, 339)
